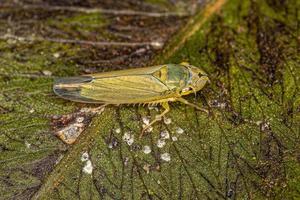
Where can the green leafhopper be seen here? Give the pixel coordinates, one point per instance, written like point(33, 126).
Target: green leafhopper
point(149, 85)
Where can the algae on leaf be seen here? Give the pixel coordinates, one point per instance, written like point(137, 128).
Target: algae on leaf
point(248, 150)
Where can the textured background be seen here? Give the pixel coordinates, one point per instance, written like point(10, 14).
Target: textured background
point(249, 150)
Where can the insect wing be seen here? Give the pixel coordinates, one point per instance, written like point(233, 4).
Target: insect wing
point(120, 87)
point(127, 72)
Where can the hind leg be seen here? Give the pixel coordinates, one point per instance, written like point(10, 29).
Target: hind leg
point(182, 100)
point(166, 106)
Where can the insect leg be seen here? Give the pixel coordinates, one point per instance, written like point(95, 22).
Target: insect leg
point(182, 100)
point(166, 106)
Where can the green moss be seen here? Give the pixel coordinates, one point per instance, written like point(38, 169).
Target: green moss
point(79, 22)
point(165, 3)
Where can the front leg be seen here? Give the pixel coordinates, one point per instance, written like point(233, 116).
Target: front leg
point(166, 106)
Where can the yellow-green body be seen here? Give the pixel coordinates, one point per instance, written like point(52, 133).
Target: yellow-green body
point(149, 85)
point(142, 85)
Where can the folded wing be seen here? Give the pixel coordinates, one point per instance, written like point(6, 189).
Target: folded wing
point(111, 90)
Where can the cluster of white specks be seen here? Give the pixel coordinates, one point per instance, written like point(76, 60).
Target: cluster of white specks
point(147, 149)
point(179, 130)
point(88, 167)
point(128, 138)
point(31, 110)
point(161, 143)
point(165, 157)
point(165, 134)
point(118, 130)
point(167, 120)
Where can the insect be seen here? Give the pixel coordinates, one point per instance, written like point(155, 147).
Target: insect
point(149, 85)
